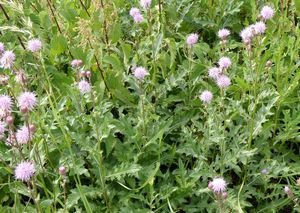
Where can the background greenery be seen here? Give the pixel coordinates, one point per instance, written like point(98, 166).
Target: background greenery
point(152, 146)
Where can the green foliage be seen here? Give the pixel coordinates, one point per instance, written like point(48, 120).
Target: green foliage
point(151, 145)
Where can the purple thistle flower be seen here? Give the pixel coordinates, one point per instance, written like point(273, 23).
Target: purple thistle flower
point(7, 59)
point(140, 73)
point(192, 39)
point(138, 18)
point(2, 48)
point(224, 62)
point(223, 34)
point(259, 28)
point(134, 11)
point(214, 73)
point(247, 34)
point(5, 103)
point(76, 63)
point(223, 81)
point(267, 12)
point(145, 4)
point(206, 96)
point(34, 45)
point(27, 100)
point(23, 135)
point(218, 185)
point(24, 171)
point(84, 87)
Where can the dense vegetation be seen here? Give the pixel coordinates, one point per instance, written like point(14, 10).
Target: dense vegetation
point(149, 106)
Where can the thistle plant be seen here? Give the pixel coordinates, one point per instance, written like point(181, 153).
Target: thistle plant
point(134, 106)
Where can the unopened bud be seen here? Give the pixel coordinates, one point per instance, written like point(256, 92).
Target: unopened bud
point(298, 182)
point(9, 120)
point(264, 171)
point(83, 73)
point(4, 79)
point(62, 170)
point(288, 191)
point(224, 195)
point(88, 74)
point(24, 110)
point(269, 64)
point(32, 128)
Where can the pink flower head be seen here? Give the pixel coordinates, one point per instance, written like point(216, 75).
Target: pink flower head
point(224, 62)
point(2, 48)
point(134, 11)
point(288, 191)
point(138, 18)
point(206, 96)
point(84, 87)
point(140, 73)
point(223, 34)
point(145, 4)
point(259, 28)
point(5, 103)
point(247, 34)
point(223, 81)
point(267, 12)
point(27, 100)
point(218, 185)
point(24, 171)
point(23, 135)
point(214, 73)
point(34, 45)
point(62, 170)
point(76, 63)
point(7, 59)
point(192, 39)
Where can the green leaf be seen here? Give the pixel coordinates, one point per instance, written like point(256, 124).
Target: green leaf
point(115, 33)
point(59, 44)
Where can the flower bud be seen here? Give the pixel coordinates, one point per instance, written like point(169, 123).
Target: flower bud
point(298, 182)
point(9, 120)
point(32, 128)
point(83, 73)
point(88, 74)
point(24, 109)
point(62, 170)
point(224, 195)
point(269, 64)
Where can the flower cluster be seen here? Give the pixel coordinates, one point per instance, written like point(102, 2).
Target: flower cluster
point(83, 77)
point(136, 15)
point(259, 27)
point(217, 73)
